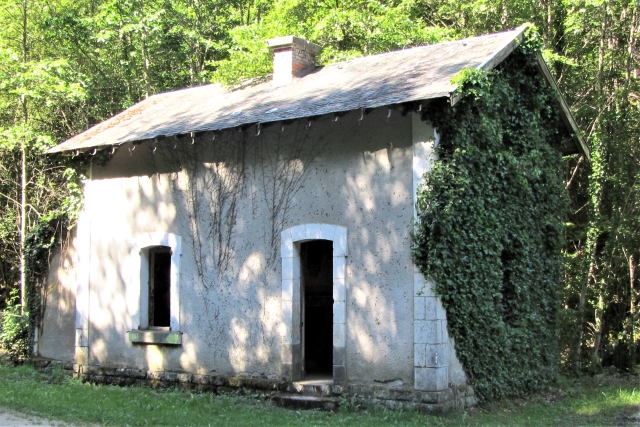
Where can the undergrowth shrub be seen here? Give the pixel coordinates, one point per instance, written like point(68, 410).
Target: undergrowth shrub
point(14, 330)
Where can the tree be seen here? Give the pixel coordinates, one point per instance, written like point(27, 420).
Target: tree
point(32, 90)
point(344, 29)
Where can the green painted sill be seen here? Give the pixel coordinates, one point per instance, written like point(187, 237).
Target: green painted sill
point(155, 337)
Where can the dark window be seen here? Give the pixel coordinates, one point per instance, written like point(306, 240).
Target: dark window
point(159, 286)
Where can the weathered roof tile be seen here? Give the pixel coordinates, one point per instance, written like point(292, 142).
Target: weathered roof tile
point(390, 78)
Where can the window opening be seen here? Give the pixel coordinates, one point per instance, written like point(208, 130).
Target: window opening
point(159, 287)
point(316, 258)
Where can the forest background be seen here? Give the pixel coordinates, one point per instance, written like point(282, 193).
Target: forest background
point(66, 65)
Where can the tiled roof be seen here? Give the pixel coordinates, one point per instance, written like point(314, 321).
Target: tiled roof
point(391, 78)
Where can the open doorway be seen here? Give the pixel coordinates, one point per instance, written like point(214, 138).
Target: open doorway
point(316, 272)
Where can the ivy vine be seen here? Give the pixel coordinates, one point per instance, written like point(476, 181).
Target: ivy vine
point(46, 236)
point(490, 229)
point(17, 328)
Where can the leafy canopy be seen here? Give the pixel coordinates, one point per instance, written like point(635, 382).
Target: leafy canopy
point(344, 30)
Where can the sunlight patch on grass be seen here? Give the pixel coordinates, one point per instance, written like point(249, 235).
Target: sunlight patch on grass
point(608, 401)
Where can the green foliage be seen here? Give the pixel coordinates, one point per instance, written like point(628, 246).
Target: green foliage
point(39, 243)
point(490, 229)
point(604, 246)
point(73, 203)
point(14, 330)
point(344, 30)
point(17, 327)
point(248, 56)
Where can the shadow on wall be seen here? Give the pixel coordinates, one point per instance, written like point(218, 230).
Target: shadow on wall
point(57, 336)
point(229, 199)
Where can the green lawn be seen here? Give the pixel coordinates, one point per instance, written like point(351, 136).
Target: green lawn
point(594, 401)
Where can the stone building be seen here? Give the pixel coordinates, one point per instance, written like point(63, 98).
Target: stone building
point(260, 237)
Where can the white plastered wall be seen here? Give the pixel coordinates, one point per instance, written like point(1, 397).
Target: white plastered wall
point(83, 274)
point(359, 181)
point(57, 337)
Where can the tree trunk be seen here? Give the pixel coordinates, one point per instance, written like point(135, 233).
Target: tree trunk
point(23, 181)
point(23, 231)
point(599, 322)
point(145, 66)
point(631, 46)
point(632, 310)
point(145, 59)
point(577, 351)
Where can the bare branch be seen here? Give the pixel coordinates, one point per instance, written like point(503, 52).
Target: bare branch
point(575, 171)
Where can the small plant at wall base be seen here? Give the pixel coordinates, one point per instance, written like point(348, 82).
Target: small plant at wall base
point(489, 228)
point(14, 330)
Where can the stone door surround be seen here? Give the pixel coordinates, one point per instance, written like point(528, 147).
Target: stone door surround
point(291, 304)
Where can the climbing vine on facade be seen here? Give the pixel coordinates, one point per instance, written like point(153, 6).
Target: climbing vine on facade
point(490, 230)
point(213, 178)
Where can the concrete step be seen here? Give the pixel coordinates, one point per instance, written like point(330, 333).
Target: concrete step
point(297, 401)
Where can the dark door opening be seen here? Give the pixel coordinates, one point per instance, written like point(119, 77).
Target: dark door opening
point(317, 309)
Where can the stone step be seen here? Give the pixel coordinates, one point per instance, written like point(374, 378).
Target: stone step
point(297, 401)
point(319, 390)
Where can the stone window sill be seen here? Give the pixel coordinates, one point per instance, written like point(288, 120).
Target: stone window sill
point(147, 336)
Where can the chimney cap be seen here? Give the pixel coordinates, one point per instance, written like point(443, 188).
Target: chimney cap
point(289, 41)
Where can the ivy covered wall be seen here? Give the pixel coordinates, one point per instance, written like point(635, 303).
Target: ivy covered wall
point(490, 228)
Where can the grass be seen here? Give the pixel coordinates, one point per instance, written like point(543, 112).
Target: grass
point(589, 401)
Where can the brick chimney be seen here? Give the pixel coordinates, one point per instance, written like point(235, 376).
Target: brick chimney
point(291, 57)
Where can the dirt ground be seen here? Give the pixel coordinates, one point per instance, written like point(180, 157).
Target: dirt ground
point(10, 418)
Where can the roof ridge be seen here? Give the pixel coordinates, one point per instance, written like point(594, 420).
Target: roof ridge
point(392, 52)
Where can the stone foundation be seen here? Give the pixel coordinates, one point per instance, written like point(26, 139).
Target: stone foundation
point(41, 363)
point(361, 395)
point(424, 401)
point(357, 395)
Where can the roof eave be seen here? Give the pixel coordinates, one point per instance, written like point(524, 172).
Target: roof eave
point(565, 112)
